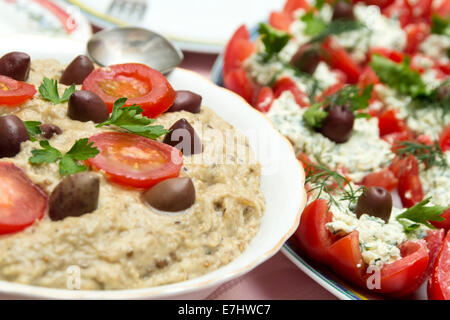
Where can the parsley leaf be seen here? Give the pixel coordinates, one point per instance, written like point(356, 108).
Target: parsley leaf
point(336, 27)
point(274, 40)
point(313, 25)
point(33, 128)
point(429, 155)
point(421, 214)
point(440, 26)
point(315, 115)
point(399, 76)
point(47, 154)
point(132, 120)
point(81, 150)
point(352, 97)
point(49, 91)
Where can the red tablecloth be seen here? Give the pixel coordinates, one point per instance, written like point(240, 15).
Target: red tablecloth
point(277, 278)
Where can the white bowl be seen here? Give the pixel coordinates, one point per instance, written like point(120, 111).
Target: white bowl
point(282, 184)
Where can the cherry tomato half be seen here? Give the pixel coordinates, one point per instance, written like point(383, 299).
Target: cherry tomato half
point(237, 50)
point(439, 282)
point(21, 201)
point(383, 178)
point(142, 85)
point(133, 160)
point(13, 92)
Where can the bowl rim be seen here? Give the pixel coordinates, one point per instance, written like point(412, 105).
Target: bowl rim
point(177, 288)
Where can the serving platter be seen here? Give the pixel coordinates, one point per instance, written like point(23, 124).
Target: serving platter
point(281, 176)
point(320, 274)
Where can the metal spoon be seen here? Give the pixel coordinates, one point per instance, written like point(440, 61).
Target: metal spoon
point(132, 44)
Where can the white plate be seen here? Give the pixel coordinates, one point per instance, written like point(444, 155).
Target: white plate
point(194, 25)
point(282, 185)
point(43, 17)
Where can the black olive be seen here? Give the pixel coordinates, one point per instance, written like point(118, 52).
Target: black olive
point(87, 106)
point(307, 58)
point(343, 10)
point(15, 65)
point(443, 92)
point(74, 196)
point(77, 71)
point(48, 130)
point(12, 133)
point(175, 194)
point(338, 124)
point(186, 100)
point(183, 137)
point(375, 201)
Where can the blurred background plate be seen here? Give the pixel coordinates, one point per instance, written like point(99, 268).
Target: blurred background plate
point(194, 25)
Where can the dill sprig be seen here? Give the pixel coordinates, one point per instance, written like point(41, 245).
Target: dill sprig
point(429, 155)
point(324, 180)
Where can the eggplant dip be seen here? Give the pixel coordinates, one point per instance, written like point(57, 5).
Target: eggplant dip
point(90, 181)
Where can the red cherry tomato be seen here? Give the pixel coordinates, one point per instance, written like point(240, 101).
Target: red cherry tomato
point(420, 10)
point(439, 282)
point(264, 99)
point(142, 85)
point(13, 92)
point(400, 10)
point(346, 258)
point(383, 178)
point(416, 33)
point(133, 160)
point(238, 82)
point(409, 186)
point(237, 50)
point(443, 8)
point(367, 77)
point(292, 5)
point(443, 224)
point(389, 123)
point(402, 277)
point(340, 59)
point(287, 84)
point(312, 236)
point(444, 139)
point(393, 55)
point(280, 20)
point(22, 202)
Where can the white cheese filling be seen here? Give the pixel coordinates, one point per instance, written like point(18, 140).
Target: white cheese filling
point(436, 46)
point(362, 154)
point(436, 183)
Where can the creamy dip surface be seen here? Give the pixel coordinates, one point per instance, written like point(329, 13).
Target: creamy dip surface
point(125, 244)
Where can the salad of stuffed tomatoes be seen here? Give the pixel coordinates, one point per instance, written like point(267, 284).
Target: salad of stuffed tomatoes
point(361, 88)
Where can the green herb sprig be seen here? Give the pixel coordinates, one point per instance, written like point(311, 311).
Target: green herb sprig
point(132, 120)
point(429, 155)
point(49, 91)
point(68, 162)
point(420, 214)
point(274, 40)
point(33, 128)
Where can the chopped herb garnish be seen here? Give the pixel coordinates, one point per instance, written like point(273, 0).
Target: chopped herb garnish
point(440, 25)
point(315, 115)
point(420, 214)
point(33, 128)
point(274, 40)
point(337, 27)
point(429, 155)
point(399, 76)
point(49, 91)
point(350, 96)
point(81, 150)
point(132, 120)
point(323, 180)
point(314, 25)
